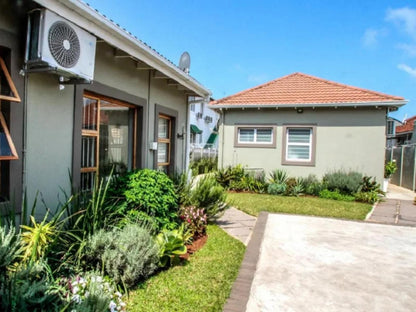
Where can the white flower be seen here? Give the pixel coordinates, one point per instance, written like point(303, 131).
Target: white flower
point(118, 294)
point(75, 290)
point(76, 298)
point(113, 306)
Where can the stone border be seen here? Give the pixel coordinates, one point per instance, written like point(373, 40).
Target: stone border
point(240, 292)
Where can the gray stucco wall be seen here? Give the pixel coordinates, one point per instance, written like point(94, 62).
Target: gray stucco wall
point(49, 138)
point(348, 139)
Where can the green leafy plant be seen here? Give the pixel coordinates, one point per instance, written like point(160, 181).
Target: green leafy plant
point(345, 182)
point(126, 255)
point(278, 176)
point(210, 196)
point(194, 218)
point(335, 195)
point(248, 183)
point(149, 191)
point(312, 185)
point(29, 288)
point(171, 246)
point(389, 169)
point(10, 249)
point(227, 175)
point(369, 184)
point(369, 197)
point(276, 188)
point(294, 187)
point(203, 165)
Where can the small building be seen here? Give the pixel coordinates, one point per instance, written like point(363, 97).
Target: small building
point(392, 124)
point(79, 96)
point(305, 125)
point(406, 132)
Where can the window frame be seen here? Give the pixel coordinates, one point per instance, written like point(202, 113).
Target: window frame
point(255, 127)
point(167, 141)
point(311, 144)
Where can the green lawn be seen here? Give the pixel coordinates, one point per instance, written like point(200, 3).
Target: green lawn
point(202, 284)
point(254, 203)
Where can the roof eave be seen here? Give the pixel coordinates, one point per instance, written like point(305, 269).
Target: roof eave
point(101, 27)
point(389, 104)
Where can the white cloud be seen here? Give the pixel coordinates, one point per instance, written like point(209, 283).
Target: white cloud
point(370, 37)
point(403, 17)
point(407, 69)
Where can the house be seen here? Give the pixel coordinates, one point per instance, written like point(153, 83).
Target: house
point(305, 125)
point(80, 95)
point(203, 130)
point(392, 124)
point(405, 132)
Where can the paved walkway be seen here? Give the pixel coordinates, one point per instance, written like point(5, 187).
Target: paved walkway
point(396, 208)
point(238, 224)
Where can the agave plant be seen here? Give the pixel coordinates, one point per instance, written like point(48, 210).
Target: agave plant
point(9, 248)
point(278, 176)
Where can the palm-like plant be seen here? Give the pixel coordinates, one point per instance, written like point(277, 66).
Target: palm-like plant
point(278, 176)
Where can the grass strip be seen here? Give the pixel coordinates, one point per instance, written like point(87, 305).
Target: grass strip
point(202, 284)
point(254, 203)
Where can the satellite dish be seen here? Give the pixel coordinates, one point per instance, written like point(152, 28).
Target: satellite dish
point(185, 62)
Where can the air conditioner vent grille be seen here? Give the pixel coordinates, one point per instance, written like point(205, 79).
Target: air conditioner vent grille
point(64, 44)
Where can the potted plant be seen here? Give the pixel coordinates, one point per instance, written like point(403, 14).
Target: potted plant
point(389, 169)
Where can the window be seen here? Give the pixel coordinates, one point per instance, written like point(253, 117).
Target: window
point(258, 136)
point(107, 138)
point(390, 127)
point(164, 142)
point(299, 145)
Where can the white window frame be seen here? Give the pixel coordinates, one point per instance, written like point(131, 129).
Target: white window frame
point(311, 145)
point(239, 143)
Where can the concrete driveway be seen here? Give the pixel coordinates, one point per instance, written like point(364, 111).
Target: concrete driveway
point(320, 264)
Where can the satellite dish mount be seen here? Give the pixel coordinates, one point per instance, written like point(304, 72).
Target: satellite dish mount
point(185, 62)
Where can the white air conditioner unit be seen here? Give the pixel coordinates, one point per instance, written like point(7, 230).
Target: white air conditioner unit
point(55, 44)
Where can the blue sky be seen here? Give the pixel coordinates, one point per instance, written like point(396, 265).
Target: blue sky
point(235, 45)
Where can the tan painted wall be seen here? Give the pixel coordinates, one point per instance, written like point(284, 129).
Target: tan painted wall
point(349, 139)
point(49, 138)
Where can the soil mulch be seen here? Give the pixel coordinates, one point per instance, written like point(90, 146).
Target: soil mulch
point(196, 245)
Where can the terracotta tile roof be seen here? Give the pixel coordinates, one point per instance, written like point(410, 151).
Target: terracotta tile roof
point(407, 125)
point(300, 88)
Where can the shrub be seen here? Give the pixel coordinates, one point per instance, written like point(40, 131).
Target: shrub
point(151, 192)
point(210, 196)
point(204, 165)
point(276, 188)
point(248, 183)
point(335, 195)
point(28, 288)
point(294, 187)
point(195, 219)
point(312, 185)
point(127, 255)
point(367, 197)
point(278, 176)
point(369, 186)
point(226, 176)
point(345, 182)
point(172, 245)
point(90, 292)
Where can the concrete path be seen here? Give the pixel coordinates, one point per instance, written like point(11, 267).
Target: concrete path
point(321, 264)
point(396, 208)
point(237, 224)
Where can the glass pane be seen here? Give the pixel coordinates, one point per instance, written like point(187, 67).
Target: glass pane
point(264, 135)
point(163, 128)
point(89, 114)
point(88, 152)
point(299, 135)
point(5, 149)
point(87, 181)
point(114, 138)
point(298, 152)
point(162, 152)
point(245, 135)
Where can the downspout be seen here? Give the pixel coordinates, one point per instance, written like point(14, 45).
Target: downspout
point(25, 87)
point(187, 138)
point(222, 137)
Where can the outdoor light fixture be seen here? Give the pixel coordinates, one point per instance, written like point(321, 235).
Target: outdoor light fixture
point(299, 110)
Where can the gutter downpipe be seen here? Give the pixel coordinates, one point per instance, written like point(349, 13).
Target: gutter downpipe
point(222, 137)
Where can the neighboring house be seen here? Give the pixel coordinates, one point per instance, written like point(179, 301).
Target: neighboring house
point(391, 125)
point(91, 96)
point(305, 125)
point(204, 120)
point(406, 132)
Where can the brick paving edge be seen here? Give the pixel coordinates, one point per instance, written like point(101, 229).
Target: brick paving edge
point(240, 291)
